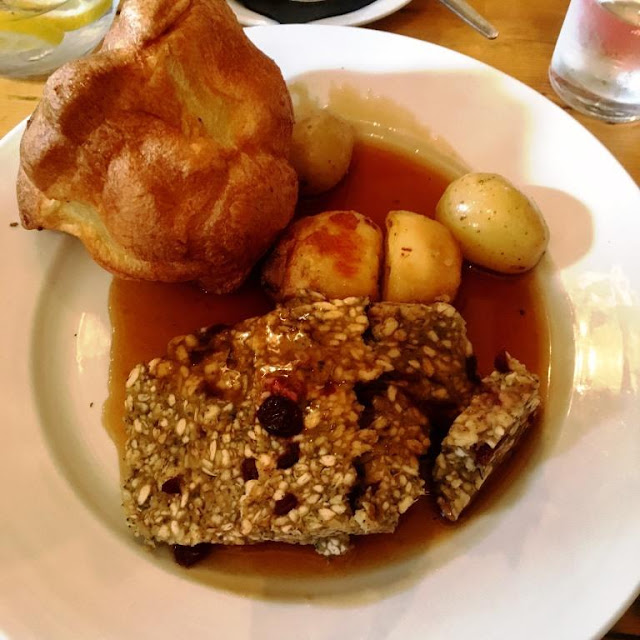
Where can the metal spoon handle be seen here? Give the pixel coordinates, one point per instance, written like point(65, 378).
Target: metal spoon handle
point(465, 11)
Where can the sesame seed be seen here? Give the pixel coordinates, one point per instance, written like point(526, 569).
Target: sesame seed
point(144, 494)
point(133, 377)
point(303, 479)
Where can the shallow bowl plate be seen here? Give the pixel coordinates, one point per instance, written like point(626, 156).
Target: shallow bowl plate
point(556, 556)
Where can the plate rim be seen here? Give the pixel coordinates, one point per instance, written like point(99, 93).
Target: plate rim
point(376, 10)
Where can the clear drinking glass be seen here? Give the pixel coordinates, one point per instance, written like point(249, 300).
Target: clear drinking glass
point(596, 63)
point(37, 36)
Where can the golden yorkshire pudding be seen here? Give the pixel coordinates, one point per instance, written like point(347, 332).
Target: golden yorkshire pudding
point(167, 151)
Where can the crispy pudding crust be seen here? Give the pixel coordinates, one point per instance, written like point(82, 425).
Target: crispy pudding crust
point(166, 152)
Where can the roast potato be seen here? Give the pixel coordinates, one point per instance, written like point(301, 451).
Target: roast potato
point(322, 145)
point(336, 253)
point(423, 261)
point(497, 226)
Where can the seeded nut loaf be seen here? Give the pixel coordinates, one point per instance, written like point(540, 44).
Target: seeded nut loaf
point(275, 429)
point(484, 434)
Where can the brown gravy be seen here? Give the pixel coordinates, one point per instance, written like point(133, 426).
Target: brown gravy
point(501, 312)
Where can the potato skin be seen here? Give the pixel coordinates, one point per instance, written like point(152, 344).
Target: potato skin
point(497, 226)
point(336, 253)
point(321, 150)
point(423, 262)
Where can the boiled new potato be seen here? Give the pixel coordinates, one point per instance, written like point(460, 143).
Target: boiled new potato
point(497, 226)
point(321, 150)
point(336, 253)
point(423, 262)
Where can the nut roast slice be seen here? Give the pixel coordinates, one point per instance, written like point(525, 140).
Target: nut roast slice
point(484, 434)
point(298, 426)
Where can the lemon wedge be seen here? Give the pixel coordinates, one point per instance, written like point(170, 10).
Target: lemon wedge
point(22, 30)
point(33, 5)
point(25, 26)
point(26, 36)
point(75, 14)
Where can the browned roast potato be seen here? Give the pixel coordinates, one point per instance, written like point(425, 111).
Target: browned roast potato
point(336, 253)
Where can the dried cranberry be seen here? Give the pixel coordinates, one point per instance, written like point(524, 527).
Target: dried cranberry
point(249, 469)
point(483, 453)
point(284, 386)
point(172, 485)
point(329, 388)
point(501, 362)
point(188, 556)
point(285, 504)
point(280, 416)
point(289, 457)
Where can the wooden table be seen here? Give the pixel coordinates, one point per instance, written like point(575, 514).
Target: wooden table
point(528, 31)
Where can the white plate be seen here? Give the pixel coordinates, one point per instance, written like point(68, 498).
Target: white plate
point(372, 12)
point(556, 557)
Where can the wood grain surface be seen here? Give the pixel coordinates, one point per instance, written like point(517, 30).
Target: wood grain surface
point(528, 31)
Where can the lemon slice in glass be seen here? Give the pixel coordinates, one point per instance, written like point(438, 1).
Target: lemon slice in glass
point(75, 14)
point(23, 35)
point(32, 5)
point(31, 24)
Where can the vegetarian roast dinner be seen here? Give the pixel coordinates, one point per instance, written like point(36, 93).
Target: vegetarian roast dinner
point(173, 154)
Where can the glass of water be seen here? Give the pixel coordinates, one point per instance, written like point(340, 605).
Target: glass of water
point(37, 36)
point(596, 63)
